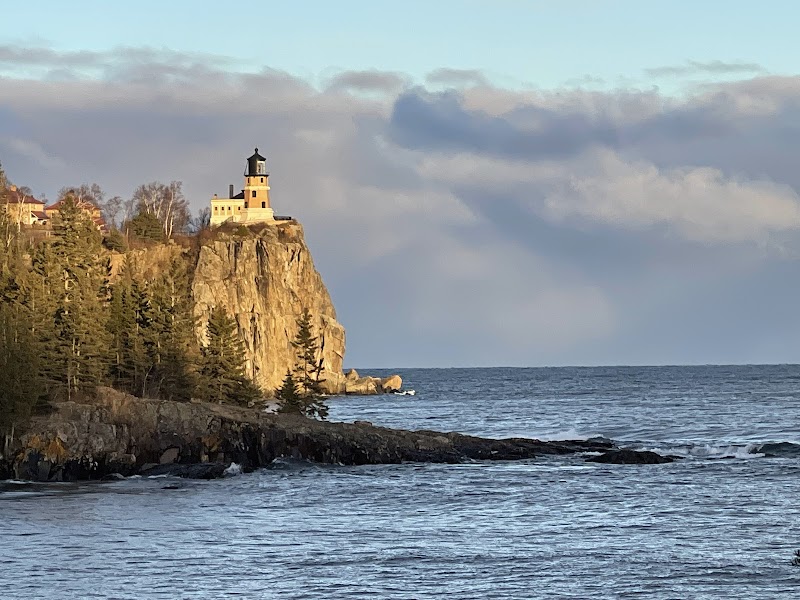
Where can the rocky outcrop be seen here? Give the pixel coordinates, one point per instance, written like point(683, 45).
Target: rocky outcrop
point(393, 383)
point(264, 279)
point(363, 386)
point(117, 433)
point(626, 456)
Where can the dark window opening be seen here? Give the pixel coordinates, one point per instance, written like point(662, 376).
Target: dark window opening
point(254, 193)
point(263, 205)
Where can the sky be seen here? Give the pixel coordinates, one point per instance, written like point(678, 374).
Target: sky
point(523, 183)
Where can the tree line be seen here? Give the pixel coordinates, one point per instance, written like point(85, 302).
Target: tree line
point(155, 212)
point(66, 327)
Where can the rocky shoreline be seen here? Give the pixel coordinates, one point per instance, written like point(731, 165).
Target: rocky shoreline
point(115, 433)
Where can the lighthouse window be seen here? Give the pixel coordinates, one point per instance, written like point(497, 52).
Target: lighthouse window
point(261, 167)
point(254, 193)
point(262, 180)
point(263, 205)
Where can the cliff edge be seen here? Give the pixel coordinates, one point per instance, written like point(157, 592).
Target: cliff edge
point(264, 278)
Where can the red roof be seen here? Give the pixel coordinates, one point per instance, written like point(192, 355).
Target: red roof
point(40, 215)
point(82, 204)
point(17, 197)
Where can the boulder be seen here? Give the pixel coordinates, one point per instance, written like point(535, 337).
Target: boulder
point(193, 471)
point(393, 383)
point(626, 456)
point(352, 375)
point(363, 386)
point(169, 456)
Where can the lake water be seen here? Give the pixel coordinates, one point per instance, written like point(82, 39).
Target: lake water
point(721, 523)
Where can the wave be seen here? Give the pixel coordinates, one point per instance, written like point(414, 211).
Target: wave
point(572, 435)
point(710, 451)
point(233, 469)
point(726, 451)
point(779, 449)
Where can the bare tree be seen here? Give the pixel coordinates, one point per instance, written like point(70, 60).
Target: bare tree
point(202, 221)
point(111, 208)
point(166, 202)
point(84, 193)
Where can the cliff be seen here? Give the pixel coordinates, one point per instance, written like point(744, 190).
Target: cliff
point(118, 433)
point(264, 279)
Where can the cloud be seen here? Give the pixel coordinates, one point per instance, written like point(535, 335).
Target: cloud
point(698, 203)
point(456, 78)
point(367, 81)
point(440, 122)
point(476, 225)
point(714, 67)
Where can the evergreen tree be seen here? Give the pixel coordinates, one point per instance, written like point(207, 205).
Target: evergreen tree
point(153, 333)
point(20, 384)
point(129, 319)
point(71, 303)
point(146, 227)
point(173, 338)
point(115, 241)
point(307, 372)
point(20, 388)
point(222, 364)
point(289, 399)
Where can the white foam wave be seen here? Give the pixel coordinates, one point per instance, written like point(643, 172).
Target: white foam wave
point(233, 470)
point(710, 451)
point(568, 435)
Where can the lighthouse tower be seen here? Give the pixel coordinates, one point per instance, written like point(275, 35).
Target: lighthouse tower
point(256, 191)
point(251, 205)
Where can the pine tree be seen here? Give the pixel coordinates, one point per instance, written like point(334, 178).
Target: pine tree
point(289, 399)
point(146, 227)
point(72, 293)
point(128, 322)
point(222, 364)
point(308, 369)
point(20, 384)
point(173, 337)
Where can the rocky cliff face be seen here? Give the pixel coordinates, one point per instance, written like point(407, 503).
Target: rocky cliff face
point(264, 280)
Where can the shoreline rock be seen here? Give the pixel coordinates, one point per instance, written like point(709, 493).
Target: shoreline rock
point(627, 456)
point(356, 385)
point(118, 433)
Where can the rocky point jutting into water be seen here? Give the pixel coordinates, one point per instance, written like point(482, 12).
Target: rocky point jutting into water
point(118, 433)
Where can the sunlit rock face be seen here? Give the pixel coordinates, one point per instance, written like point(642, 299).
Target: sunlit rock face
point(264, 279)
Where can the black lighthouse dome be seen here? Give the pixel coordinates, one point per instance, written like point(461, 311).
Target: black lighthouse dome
point(256, 165)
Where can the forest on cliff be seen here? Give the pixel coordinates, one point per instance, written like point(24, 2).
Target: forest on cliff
point(68, 326)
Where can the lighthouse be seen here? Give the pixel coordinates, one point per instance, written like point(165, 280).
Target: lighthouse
point(251, 205)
